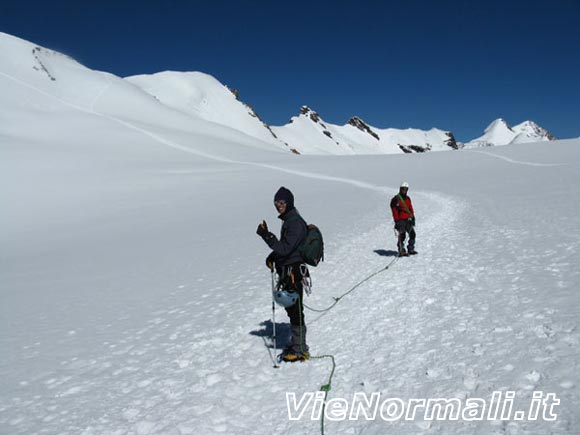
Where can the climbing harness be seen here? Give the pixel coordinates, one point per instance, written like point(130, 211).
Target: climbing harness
point(306, 279)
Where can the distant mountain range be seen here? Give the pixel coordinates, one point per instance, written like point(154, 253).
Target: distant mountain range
point(202, 95)
point(211, 105)
point(500, 133)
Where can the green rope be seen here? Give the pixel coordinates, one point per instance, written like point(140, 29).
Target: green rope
point(327, 387)
point(300, 308)
point(337, 299)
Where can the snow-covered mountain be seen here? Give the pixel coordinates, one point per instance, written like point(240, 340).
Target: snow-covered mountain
point(529, 131)
point(500, 133)
point(199, 109)
point(308, 133)
point(193, 103)
point(203, 96)
point(54, 93)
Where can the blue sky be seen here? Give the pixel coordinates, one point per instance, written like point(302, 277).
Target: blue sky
point(455, 65)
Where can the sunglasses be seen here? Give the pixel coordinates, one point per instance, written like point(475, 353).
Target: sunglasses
point(281, 202)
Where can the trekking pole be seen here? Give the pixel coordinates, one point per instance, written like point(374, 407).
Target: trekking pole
point(274, 321)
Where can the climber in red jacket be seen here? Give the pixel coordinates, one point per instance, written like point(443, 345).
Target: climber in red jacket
point(404, 217)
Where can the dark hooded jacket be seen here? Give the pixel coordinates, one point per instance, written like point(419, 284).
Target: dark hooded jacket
point(293, 232)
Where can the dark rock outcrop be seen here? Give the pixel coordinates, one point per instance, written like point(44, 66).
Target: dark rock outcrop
point(413, 148)
point(355, 121)
point(234, 91)
point(451, 142)
point(315, 117)
point(36, 52)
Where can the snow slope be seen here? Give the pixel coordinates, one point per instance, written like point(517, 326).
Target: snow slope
point(134, 298)
point(201, 95)
point(53, 92)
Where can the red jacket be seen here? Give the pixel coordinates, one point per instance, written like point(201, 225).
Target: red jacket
point(400, 212)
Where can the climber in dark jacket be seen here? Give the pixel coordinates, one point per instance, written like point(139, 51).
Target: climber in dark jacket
point(290, 267)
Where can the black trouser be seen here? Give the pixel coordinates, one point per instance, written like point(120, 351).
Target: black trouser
point(292, 278)
point(404, 227)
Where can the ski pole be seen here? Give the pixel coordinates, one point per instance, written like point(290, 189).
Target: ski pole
point(274, 321)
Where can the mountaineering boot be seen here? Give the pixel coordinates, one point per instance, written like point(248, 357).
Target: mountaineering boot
point(403, 253)
point(292, 356)
point(412, 252)
point(298, 339)
point(286, 350)
point(297, 350)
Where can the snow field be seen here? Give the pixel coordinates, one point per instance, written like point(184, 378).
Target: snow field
point(134, 299)
point(458, 320)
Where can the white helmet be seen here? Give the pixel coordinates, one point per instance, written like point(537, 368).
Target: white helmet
point(405, 184)
point(285, 298)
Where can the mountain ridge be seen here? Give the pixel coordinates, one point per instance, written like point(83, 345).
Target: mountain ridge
point(202, 97)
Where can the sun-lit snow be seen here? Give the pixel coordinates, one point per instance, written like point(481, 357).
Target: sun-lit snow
point(201, 95)
point(134, 298)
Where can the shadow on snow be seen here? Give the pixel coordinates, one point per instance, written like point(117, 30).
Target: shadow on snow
point(282, 334)
point(384, 253)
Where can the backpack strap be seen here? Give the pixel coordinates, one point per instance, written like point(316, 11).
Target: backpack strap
point(401, 200)
point(303, 221)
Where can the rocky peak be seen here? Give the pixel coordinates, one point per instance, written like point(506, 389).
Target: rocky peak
point(308, 112)
point(530, 128)
point(355, 121)
point(234, 91)
point(451, 142)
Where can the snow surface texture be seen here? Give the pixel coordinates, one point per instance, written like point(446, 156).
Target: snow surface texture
point(134, 298)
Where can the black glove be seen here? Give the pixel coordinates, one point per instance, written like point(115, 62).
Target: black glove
point(413, 221)
point(270, 261)
point(262, 229)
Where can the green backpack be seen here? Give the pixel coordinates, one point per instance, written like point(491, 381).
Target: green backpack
point(312, 247)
